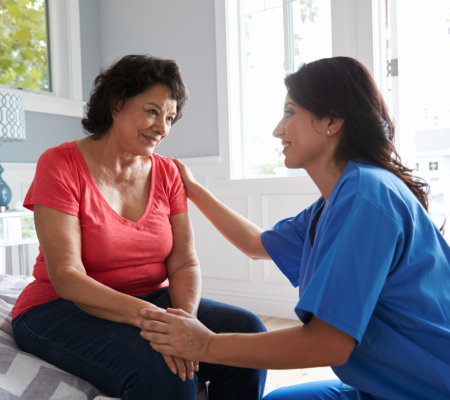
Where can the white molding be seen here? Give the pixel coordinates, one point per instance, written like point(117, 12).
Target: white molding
point(270, 180)
point(365, 35)
point(48, 103)
point(26, 166)
point(74, 57)
point(379, 45)
point(222, 84)
point(202, 160)
point(262, 304)
point(65, 48)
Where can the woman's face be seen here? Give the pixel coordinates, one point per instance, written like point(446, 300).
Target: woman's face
point(303, 136)
point(145, 120)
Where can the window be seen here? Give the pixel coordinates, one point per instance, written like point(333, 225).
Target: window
point(269, 39)
point(24, 44)
point(50, 83)
point(418, 47)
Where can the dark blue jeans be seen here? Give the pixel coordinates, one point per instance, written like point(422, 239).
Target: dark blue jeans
point(332, 389)
point(115, 359)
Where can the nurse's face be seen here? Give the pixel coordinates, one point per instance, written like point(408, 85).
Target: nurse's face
point(303, 136)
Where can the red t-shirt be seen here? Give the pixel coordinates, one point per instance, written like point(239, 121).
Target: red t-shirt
point(124, 255)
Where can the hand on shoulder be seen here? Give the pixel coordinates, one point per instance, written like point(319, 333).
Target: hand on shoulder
point(187, 177)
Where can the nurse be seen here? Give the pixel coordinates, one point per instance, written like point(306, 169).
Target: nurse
point(373, 271)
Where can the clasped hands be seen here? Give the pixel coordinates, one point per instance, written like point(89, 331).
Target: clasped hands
point(178, 336)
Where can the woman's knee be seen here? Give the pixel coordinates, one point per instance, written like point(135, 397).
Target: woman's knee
point(249, 322)
point(222, 318)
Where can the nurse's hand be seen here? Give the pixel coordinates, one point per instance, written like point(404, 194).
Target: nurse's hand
point(187, 177)
point(175, 333)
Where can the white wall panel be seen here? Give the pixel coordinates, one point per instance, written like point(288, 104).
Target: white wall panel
point(219, 258)
point(280, 304)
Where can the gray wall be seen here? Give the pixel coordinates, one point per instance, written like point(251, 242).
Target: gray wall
point(91, 59)
point(43, 131)
point(110, 29)
point(180, 30)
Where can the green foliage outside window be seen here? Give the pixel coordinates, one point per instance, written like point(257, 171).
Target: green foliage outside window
point(23, 44)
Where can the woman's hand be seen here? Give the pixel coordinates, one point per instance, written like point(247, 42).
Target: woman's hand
point(175, 333)
point(187, 177)
point(184, 368)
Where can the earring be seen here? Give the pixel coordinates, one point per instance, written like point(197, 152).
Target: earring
point(328, 132)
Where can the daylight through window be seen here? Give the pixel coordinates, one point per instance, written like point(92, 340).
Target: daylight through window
point(274, 38)
point(24, 49)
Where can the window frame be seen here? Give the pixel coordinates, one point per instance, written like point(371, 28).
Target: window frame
point(66, 97)
point(354, 34)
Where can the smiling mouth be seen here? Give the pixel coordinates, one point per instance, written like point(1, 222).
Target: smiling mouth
point(151, 140)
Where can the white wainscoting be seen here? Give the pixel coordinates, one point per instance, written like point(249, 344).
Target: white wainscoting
point(17, 259)
point(228, 275)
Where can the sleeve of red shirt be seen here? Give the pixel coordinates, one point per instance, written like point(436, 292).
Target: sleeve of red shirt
point(178, 200)
point(54, 185)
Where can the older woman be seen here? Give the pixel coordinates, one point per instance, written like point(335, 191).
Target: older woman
point(115, 238)
point(373, 270)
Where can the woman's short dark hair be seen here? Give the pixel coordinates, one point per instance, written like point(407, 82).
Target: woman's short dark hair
point(341, 87)
point(128, 77)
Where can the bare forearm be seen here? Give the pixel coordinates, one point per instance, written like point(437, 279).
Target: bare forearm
point(284, 349)
point(185, 288)
point(242, 233)
point(97, 299)
point(272, 350)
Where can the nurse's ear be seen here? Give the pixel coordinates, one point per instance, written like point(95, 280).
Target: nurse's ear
point(335, 125)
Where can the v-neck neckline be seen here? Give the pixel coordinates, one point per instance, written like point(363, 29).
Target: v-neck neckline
point(116, 215)
point(314, 223)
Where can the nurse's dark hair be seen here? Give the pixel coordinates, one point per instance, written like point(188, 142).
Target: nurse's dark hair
point(129, 77)
point(341, 87)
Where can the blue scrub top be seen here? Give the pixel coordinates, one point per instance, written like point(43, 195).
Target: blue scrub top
point(370, 262)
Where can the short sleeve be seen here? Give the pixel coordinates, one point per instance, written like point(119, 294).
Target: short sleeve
point(178, 200)
point(54, 184)
point(353, 257)
point(285, 241)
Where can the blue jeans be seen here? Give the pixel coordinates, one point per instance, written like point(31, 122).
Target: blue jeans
point(115, 359)
point(332, 389)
